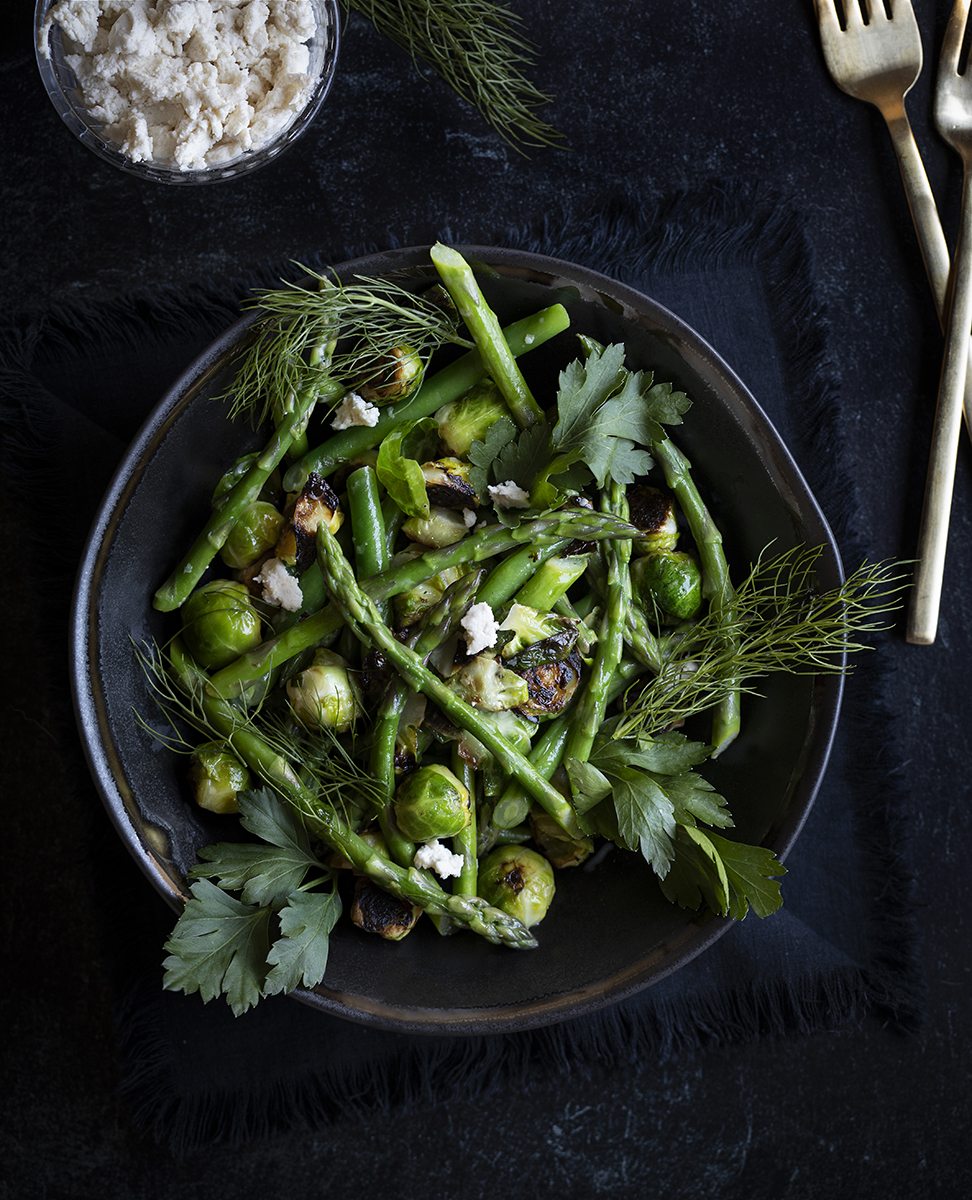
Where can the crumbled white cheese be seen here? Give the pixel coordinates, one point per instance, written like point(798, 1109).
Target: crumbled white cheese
point(469, 516)
point(353, 410)
point(280, 588)
point(529, 339)
point(193, 83)
point(480, 628)
point(433, 856)
point(509, 495)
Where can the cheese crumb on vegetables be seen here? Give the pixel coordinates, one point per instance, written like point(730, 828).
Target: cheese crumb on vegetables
point(480, 628)
point(353, 410)
point(509, 495)
point(280, 588)
point(433, 856)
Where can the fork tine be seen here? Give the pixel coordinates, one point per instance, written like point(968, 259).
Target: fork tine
point(853, 18)
point(827, 13)
point(954, 36)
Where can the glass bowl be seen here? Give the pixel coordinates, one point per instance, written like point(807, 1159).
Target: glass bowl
point(52, 49)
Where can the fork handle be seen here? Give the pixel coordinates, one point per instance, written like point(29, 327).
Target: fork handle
point(924, 211)
point(933, 532)
point(928, 226)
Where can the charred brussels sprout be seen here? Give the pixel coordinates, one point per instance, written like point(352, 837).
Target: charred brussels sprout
point(671, 582)
point(518, 881)
point(396, 376)
point(220, 623)
point(431, 803)
point(324, 695)
point(375, 911)
point(467, 419)
point(252, 536)
point(531, 625)
point(216, 776)
point(447, 484)
point(653, 511)
point(317, 504)
point(551, 685)
point(487, 685)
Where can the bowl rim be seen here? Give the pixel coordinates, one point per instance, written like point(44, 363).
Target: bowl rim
point(694, 938)
point(244, 164)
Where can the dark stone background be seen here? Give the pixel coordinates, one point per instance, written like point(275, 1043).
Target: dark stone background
point(653, 97)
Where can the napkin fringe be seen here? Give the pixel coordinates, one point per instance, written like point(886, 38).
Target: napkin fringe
point(431, 1072)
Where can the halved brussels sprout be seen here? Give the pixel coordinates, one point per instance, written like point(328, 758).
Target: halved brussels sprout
point(297, 544)
point(653, 511)
point(447, 484)
point(531, 625)
point(551, 685)
point(395, 376)
point(486, 684)
point(410, 606)
point(442, 527)
point(556, 845)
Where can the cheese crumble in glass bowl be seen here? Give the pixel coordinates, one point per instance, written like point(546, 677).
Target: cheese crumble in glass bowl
point(187, 91)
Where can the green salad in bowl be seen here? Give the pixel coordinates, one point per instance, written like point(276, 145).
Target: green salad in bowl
point(491, 615)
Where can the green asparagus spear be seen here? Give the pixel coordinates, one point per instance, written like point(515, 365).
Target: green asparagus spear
point(465, 841)
point(590, 707)
point(436, 627)
point(217, 529)
point(511, 574)
point(716, 585)
point(361, 615)
point(483, 326)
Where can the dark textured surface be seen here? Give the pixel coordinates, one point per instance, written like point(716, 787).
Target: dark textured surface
point(653, 97)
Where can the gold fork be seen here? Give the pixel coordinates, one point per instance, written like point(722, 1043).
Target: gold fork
point(879, 62)
point(953, 119)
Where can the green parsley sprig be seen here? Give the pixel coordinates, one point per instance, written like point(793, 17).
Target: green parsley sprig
point(271, 938)
point(606, 419)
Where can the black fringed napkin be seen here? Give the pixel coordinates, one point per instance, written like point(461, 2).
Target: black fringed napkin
point(733, 261)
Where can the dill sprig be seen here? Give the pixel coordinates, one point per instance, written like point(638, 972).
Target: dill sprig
point(780, 621)
point(327, 767)
point(327, 337)
point(317, 762)
point(476, 47)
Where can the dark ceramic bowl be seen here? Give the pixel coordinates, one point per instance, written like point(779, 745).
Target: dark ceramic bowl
point(610, 932)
